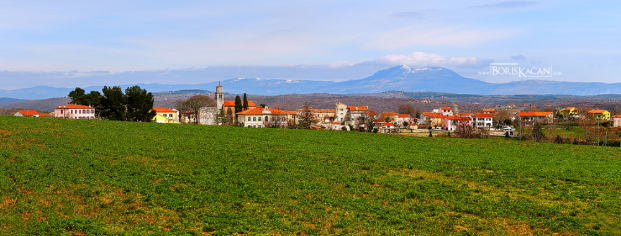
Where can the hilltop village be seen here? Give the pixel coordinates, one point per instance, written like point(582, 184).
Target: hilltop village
point(350, 117)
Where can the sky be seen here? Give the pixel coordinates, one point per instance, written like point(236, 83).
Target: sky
point(67, 43)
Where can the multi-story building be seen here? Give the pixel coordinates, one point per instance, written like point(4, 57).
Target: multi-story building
point(453, 122)
point(73, 111)
point(351, 115)
point(599, 114)
point(445, 111)
point(260, 117)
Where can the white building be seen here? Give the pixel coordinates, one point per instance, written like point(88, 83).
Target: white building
point(26, 113)
point(264, 117)
point(445, 111)
point(73, 111)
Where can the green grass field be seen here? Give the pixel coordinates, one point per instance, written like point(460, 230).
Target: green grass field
point(79, 177)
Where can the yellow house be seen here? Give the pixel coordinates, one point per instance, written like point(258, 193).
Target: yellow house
point(599, 114)
point(570, 111)
point(169, 114)
point(159, 119)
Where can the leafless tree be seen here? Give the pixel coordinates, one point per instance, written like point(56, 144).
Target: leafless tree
point(407, 109)
point(194, 104)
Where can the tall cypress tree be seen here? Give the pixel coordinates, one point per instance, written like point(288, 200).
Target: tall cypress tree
point(238, 104)
point(245, 104)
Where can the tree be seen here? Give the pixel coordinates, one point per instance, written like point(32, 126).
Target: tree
point(532, 108)
point(245, 103)
point(406, 109)
point(139, 104)
point(537, 132)
point(194, 104)
point(112, 103)
point(238, 104)
point(463, 129)
point(77, 96)
point(500, 117)
point(307, 118)
point(371, 126)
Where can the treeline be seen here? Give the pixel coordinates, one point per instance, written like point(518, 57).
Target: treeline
point(135, 104)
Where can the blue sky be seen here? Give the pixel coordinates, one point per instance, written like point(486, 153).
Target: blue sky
point(61, 43)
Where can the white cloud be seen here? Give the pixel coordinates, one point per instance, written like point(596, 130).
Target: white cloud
point(431, 59)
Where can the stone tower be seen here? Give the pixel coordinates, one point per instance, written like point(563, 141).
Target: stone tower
point(219, 97)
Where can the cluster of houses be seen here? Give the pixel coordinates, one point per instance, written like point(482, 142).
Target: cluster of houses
point(342, 117)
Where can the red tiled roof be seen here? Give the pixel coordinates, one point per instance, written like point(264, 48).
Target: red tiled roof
point(387, 124)
point(389, 113)
point(404, 115)
point(335, 122)
point(436, 116)
point(259, 111)
point(358, 108)
point(163, 110)
point(482, 115)
point(232, 104)
point(569, 108)
point(324, 110)
point(28, 112)
point(378, 120)
point(597, 111)
point(458, 118)
point(616, 116)
point(534, 113)
point(489, 110)
point(74, 106)
point(465, 114)
point(45, 115)
point(431, 113)
point(446, 108)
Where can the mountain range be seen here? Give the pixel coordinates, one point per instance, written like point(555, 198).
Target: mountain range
point(398, 78)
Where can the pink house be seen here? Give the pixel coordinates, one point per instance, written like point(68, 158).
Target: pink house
point(75, 112)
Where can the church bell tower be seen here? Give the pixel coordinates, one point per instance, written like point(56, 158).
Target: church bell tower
point(219, 97)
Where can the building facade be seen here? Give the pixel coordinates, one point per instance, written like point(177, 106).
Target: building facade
point(72, 111)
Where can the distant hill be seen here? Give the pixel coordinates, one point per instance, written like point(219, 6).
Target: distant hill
point(398, 78)
point(9, 100)
point(41, 104)
point(386, 101)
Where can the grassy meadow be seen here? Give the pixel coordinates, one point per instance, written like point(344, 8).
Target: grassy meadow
point(80, 177)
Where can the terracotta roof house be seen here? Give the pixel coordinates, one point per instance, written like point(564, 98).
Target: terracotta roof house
point(169, 115)
point(599, 114)
point(26, 113)
point(539, 117)
point(266, 117)
point(452, 122)
point(73, 111)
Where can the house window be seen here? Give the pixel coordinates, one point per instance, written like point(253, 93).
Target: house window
point(254, 118)
point(259, 120)
point(259, 126)
point(61, 112)
point(249, 118)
